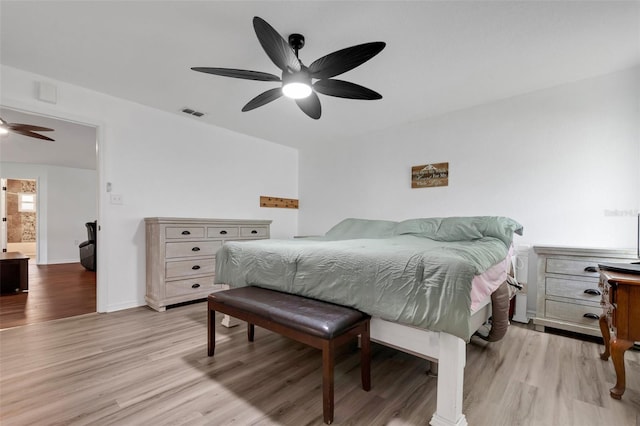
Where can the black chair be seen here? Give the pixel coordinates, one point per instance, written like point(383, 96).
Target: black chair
point(88, 248)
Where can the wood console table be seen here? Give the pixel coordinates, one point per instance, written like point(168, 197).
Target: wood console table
point(14, 272)
point(620, 322)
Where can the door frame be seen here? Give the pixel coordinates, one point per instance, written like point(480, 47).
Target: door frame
point(3, 212)
point(99, 125)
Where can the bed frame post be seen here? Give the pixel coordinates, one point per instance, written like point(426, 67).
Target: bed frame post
point(451, 364)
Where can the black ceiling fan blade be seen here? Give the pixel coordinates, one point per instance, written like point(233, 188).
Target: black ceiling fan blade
point(235, 73)
point(31, 134)
point(263, 99)
point(345, 89)
point(276, 47)
point(310, 105)
point(28, 127)
point(344, 60)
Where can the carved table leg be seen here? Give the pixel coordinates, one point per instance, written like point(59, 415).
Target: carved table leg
point(618, 348)
point(604, 329)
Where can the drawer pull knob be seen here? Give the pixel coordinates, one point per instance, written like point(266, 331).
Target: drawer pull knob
point(593, 292)
point(186, 233)
point(196, 285)
point(591, 316)
point(198, 249)
point(195, 267)
point(591, 269)
point(254, 231)
point(223, 232)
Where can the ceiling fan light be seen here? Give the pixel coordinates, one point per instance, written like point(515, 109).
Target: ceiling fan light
point(296, 90)
point(3, 130)
point(296, 85)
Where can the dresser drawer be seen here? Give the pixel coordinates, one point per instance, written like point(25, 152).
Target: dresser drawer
point(585, 268)
point(574, 288)
point(172, 232)
point(222, 231)
point(573, 312)
point(190, 286)
point(186, 268)
point(192, 248)
point(254, 231)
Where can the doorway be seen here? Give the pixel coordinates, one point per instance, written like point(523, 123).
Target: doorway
point(19, 216)
point(58, 181)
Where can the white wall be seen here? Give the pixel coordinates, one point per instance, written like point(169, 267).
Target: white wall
point(163, 165)
point(564, 162)
point(560, 161)
point(66, 201)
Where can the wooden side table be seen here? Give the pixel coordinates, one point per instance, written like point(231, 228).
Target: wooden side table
point(620, 322)
point(14, 272)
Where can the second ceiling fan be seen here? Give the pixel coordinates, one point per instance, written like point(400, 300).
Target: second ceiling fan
point(24, 129)
point(297, 79)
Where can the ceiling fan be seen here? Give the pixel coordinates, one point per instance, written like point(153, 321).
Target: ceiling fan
point(297, 78)
point(24, 129)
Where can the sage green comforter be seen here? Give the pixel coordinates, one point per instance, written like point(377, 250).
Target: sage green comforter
point(402, 277)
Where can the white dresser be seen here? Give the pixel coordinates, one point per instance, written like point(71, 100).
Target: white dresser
point(181, 255)
point(568, 295)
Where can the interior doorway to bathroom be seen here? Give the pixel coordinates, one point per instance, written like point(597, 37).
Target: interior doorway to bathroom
point(19, 216)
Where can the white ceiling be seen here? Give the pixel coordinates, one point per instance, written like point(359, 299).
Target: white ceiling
point(74, 144)
point(440, 56)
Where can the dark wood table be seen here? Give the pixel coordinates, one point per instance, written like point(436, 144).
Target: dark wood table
point(620, 322)
point(14, 272)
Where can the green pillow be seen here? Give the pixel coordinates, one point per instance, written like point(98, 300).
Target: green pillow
point(351, 228)
point(461, 228)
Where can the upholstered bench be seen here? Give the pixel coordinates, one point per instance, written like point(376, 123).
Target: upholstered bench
point(319, 324)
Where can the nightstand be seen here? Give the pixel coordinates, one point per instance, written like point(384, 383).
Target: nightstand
point(620, 321)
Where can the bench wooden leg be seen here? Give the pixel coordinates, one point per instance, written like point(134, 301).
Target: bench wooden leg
point(211, 331)
point(327, 380)
point(365, 357)
point(250, 331)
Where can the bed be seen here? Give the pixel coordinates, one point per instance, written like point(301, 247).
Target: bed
point(427, 283)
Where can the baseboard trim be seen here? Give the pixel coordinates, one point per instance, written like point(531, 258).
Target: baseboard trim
point(123, 305)
point(61, 261)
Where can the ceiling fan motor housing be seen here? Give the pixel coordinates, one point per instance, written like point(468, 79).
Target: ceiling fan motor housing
point(296, 41)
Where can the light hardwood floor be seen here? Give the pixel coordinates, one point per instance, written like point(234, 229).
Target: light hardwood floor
point(141, 367)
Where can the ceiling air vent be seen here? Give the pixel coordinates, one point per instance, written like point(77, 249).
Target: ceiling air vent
point(192, 112)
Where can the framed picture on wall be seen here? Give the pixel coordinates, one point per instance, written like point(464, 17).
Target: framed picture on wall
point(430, 175)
